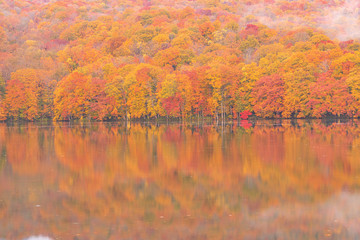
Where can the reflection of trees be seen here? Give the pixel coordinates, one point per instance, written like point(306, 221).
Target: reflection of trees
point(115, 175)
point(26, 148)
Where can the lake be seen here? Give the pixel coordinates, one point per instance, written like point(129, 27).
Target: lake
point(251, 180)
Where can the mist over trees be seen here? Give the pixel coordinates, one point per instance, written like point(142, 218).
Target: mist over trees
point(148, 59)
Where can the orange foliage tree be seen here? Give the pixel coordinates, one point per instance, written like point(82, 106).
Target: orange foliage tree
point(80, 96)
point(22, 98)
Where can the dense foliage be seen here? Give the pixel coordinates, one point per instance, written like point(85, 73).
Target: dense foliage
point(146, 59)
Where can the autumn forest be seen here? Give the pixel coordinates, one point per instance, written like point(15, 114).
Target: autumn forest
point(183, 59)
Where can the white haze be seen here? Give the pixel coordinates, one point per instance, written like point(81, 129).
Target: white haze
point(340, 211)
point(341, 22)
point(38, 238)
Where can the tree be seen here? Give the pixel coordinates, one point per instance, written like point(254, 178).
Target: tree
point(219, 78)
point(206, 29)
point(330, 96)
point(170, 97)
point(70, 97)
point(2, 99)
point(243, 86)
point(353, 83)
point(115, 89)
point(297, 82)
point(143, 85)
point(268, 95)
point(2, 87)
point(248, 47)
point(22, 94)
point(173, 57)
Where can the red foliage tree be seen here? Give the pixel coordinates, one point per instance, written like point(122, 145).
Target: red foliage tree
point(268, 95)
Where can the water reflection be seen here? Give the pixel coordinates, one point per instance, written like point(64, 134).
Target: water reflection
point(262, 180)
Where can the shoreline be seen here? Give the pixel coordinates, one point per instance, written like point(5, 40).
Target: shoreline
point(206, 121)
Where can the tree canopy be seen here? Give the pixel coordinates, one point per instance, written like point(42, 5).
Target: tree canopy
point(148, 59)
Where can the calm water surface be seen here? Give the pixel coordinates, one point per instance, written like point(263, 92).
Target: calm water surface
point(263, 180)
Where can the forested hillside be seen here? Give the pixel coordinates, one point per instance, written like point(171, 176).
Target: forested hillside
point(119, 59)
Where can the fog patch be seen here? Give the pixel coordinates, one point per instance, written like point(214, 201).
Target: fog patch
point(342, 22)
point(338, 216)
point(40, 237)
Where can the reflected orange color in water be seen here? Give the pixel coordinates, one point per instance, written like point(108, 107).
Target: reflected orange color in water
point(268, 180)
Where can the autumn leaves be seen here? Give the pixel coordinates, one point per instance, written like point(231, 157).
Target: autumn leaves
point(177, 63)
